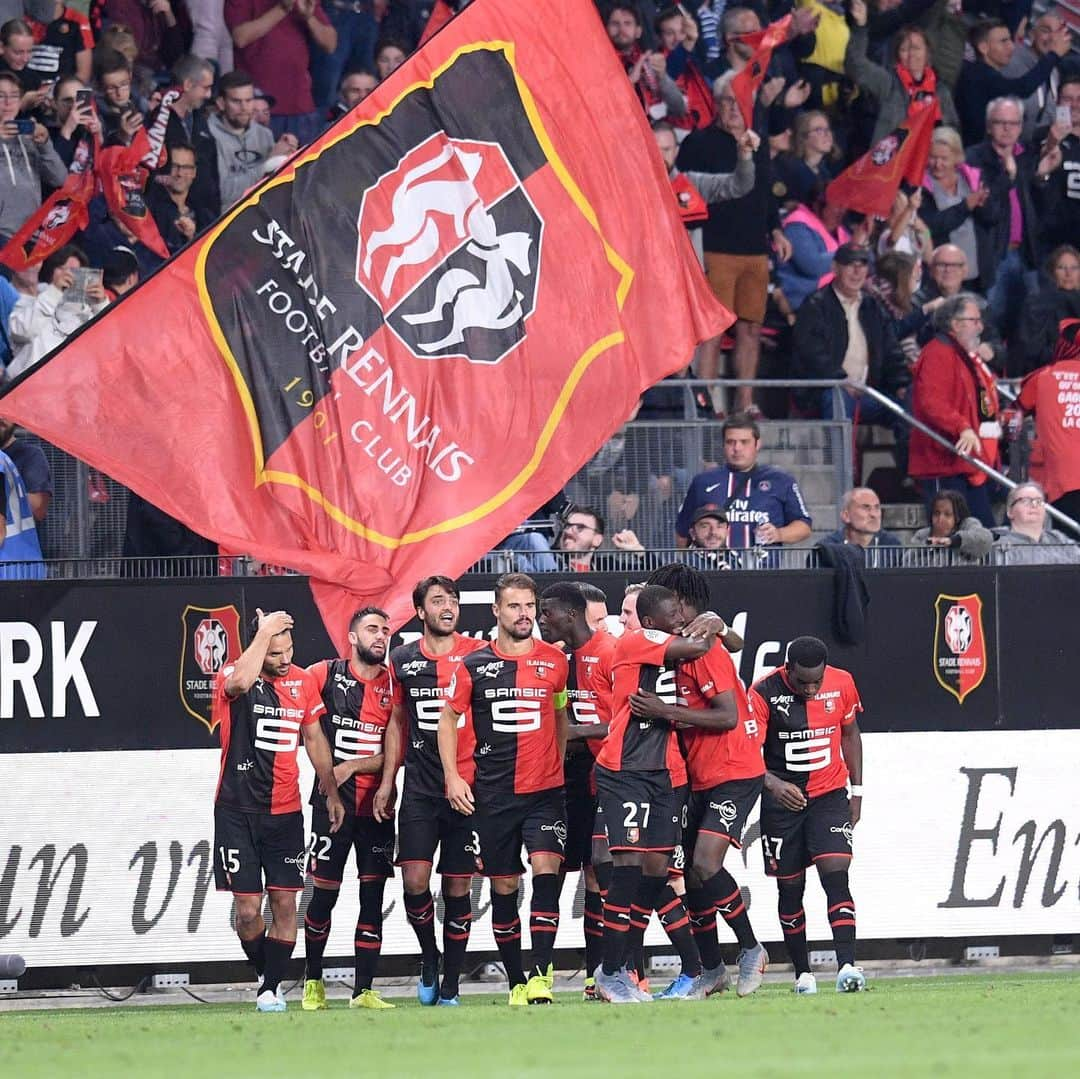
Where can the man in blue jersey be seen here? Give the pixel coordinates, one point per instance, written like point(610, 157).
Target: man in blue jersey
point(763, 505)
point(20, 552)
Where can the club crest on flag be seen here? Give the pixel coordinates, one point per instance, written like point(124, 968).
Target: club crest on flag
point(960, 655)
point(887, 148)
point(211, 639)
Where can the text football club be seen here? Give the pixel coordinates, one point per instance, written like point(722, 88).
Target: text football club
point(959, 644)
point(434, 220)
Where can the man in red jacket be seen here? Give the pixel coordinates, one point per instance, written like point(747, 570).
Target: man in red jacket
point(953, 392)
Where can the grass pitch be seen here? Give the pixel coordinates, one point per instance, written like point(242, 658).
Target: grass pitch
point(985, 1025)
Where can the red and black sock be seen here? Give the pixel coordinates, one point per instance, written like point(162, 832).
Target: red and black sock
point(317, 930)
point(620, 897)
point(457, 924)
point(278, 954)
point(506, 928)
point(841, 914)
point(676, 923)
point(543, 919)
point(368, 941)
point(703, 926)
point(648, 894)
point(793, 921)
point(724, 892)
point(420, 912)
point(594, 931)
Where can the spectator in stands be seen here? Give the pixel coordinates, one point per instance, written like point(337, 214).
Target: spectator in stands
point(1033, 345)
point(763, 505)
point(984, 79)
point(73, 119)
point(64, 47)
point(1052, 394)
point(647, 71)
point(18, 530)
point(582, 534)
point(905, 230)
point(187, 125)
point(243, 147)
point(913, 79)
point(677, 34)
point(841, 332)
point(119, 109)
point(895, 284)
point(33, 466)
point(954, 198)
point(151, 533)
point(390, 54)
point(951, 528)
point(39, 326)
point(357, 27)
point(860, 526)
point(1008, 249)
point(954, 393)
point(708, 549)
point(120, 272)
point(1058, 199)
point(16, 49)
point(273, 41)
point(1026, 540)
point(813, 162)
point(162, 29)
point(736, 237)
point(815, 232)
point(9, 297)
point(742, 19)
point(262, 107)
point(176, 218)
point(354, 88)
point(28, 161)
point(1040, 104)
point(941, 23)
point(210, 37)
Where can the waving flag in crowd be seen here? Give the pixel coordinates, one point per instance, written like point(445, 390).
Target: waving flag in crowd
point(385, 358)
point(746, 82)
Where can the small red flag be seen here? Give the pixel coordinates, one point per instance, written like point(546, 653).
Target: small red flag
point(752, 75)
point(869, 186)
point(383, 359)
point(441, 14)
point(123, 176)
point(60, 216)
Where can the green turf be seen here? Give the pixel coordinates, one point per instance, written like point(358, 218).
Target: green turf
point(994, 1025)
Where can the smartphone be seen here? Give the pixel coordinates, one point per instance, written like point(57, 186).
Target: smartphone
point(83, 98)
point(1063, 116)
point(82, 278)
point(24, 127)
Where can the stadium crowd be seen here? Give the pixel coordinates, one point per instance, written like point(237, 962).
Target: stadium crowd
point(966, 281)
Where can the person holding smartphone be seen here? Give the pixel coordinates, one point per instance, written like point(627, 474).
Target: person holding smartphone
point(27, 159)
point(75, 117)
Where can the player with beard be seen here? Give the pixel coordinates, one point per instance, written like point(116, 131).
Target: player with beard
point(356, 693)
point(723, 761)
point(515, 687)
point(421, 672)
point(564, 620)
point(812, 748)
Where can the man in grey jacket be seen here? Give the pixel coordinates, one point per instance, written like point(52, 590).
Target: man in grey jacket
point(243, 147)
point(25, 160)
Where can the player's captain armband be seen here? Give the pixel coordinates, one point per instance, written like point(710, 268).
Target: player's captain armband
point(657, 636)
point(561, 698)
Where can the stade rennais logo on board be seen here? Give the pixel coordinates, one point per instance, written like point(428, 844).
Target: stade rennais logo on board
point(959, 644)
point(211, 638)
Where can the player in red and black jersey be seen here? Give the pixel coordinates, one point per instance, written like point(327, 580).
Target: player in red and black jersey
point(637, 772)
point(262, 707)
point(724, 763)
point(356, 693)
point(516, 689)
point(564, 619)
point(421, 672)
point(812, 748)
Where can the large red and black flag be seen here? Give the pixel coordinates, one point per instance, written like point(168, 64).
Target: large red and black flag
point(386, 357)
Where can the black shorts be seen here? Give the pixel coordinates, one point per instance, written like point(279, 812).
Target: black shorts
point(641, 810)
point(580, 809)
point(328, 851)
point(722, 810)
point(677, 865)
point(791, 841)
point(249, 846)
point(506, 822)
point(424, 823)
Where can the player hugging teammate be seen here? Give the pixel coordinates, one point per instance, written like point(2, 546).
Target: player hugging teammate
point(630, 759)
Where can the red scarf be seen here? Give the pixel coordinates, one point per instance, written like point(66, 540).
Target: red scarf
point(692, 207)
point(918, 92)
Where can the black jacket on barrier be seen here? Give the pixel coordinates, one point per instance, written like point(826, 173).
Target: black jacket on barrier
point(851, 597)
point(821, 339)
